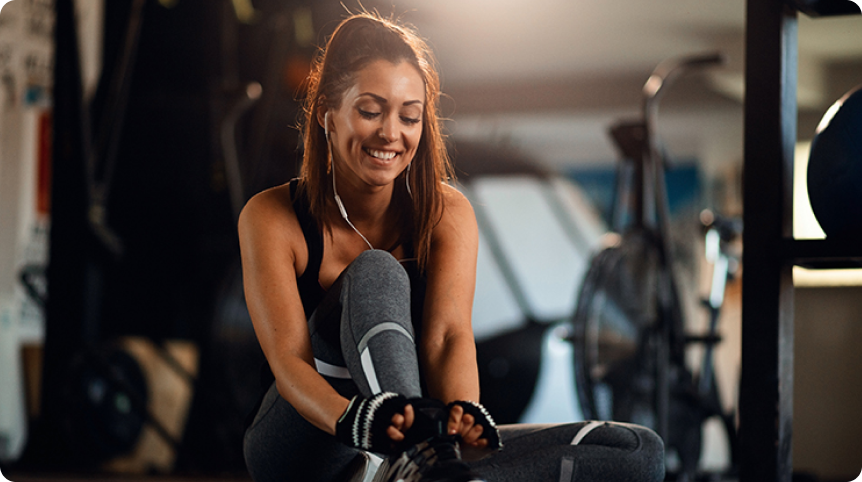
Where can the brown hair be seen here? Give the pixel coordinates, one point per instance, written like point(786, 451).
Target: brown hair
point(357, 41)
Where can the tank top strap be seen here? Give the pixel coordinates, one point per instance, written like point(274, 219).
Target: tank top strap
point(308, 283)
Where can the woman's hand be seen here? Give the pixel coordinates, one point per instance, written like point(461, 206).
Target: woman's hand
point(465, 425)
point(400, 424)
point(376, 424)
point(475, 425)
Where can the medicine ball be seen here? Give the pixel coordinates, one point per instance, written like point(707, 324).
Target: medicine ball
point(835, 168)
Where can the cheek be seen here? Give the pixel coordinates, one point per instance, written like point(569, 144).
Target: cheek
point(416, 138)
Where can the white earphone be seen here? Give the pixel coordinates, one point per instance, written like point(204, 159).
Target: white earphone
point(338, 202)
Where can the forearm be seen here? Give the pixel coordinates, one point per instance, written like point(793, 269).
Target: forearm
point(311, 396)
point(450, 368)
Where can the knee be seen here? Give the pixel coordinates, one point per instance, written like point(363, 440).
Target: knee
point(650, 453)
point(618, 435)
point(644, 448)
point(376, 289)
point(378, 265)
point(377, 260)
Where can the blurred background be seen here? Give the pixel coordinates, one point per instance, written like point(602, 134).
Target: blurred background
point(132, 131)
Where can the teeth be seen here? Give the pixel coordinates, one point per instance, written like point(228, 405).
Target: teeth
point(385, 155)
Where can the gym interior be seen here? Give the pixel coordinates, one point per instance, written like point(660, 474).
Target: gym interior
point(133, 131)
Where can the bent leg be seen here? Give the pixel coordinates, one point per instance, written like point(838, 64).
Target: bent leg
point(367, 312)
point(377, 337)
point(582, 452)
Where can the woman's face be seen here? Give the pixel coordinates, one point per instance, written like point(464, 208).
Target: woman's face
point(376, 129)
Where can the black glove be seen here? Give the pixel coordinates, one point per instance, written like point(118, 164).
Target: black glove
point(363, 425)
point(482, 418)
point(430, 417)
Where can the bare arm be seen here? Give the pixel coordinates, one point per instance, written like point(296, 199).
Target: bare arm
point(448, 348)
point(273, 249)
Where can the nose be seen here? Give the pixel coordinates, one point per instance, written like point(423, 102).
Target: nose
point(388, 129)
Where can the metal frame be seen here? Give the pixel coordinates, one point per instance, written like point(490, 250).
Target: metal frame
point(766, 392)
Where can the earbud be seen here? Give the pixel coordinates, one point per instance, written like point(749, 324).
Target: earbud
point(326, 124)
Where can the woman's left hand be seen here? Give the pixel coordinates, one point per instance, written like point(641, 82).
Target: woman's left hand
point(465, 425)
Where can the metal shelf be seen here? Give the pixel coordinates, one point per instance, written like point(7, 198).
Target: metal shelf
point(766, 385)
point(822, 253)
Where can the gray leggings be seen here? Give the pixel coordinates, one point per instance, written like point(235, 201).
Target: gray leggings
point(370, 304)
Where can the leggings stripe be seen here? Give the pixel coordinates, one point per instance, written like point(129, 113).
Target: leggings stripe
point(365, 353)
point(368, 369)
point(585, 430)
point(333, 371)
point(377, 329)
point(567, 468)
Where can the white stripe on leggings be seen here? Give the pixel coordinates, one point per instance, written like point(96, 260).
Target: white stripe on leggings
point(567, 468)
point(376, 330)
point(332, 371)
point(585, 430)
point(365, 354)
point(368, 369)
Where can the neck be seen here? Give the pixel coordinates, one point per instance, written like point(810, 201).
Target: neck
point(367, 212)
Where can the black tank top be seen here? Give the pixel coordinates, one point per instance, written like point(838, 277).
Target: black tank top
point(309, 282)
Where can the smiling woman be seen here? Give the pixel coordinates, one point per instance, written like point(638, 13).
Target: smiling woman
point(374, 133)
point(371, 351)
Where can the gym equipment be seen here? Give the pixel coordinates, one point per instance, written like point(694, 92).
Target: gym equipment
point(835, 168)
point(628, 326)
point(107, 396)
point(536, 234)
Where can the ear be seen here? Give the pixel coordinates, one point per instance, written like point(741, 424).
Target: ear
point(322, 110)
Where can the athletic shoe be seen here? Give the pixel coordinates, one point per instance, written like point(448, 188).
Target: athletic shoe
point(437, 459)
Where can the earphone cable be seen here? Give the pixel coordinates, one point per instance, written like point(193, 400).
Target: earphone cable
point(338, 198)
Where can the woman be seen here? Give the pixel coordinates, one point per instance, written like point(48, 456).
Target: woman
point(359, 279)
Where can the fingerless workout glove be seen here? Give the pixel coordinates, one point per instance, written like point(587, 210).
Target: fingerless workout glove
point(483, 418)
point(363, 425)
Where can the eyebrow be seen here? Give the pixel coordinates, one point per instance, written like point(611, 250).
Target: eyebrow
point(384, 101)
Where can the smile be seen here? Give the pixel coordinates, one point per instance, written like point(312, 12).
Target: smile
point(383, 155)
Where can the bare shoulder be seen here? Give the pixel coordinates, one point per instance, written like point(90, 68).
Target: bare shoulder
point(268, 221)
point(458, 216)
point(272, 206)
point(455, 203)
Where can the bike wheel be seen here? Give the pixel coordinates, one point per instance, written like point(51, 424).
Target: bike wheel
point(613, 328)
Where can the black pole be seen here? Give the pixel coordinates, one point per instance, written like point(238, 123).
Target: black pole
point(69, 237)
point(766, 392)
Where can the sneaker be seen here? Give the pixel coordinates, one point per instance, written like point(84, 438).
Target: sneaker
point(437, 459)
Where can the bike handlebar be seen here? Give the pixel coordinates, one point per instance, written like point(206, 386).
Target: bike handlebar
point(671, 68)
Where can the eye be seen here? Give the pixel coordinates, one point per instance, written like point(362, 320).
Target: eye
point(368, 115)
point(410, 120)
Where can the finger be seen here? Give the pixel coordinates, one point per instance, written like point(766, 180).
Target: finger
point(455, 415)
point(472, 433)
point(398, 421)
point(394, 434)
point(467, 424)
point(481, 443)
point(409, 417)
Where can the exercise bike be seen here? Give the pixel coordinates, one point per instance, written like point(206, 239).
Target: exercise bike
point(628, 327)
